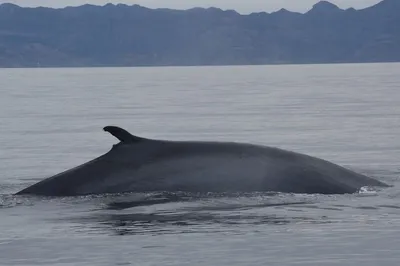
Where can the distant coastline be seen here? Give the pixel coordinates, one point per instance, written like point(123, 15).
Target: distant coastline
point(127, 36)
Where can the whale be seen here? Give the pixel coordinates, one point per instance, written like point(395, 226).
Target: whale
point(138, 164)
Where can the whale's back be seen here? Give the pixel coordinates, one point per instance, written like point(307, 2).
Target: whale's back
point(138, 165)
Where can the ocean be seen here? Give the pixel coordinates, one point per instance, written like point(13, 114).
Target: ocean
point(52, 120)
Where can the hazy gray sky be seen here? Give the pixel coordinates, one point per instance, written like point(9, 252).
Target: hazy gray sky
point(242, 6)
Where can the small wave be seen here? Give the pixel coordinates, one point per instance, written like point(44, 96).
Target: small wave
point(367, 191)
point(9, 201)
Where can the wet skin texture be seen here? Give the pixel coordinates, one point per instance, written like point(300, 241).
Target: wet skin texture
point(143, 165)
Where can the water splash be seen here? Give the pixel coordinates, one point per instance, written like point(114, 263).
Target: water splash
point(367, 191)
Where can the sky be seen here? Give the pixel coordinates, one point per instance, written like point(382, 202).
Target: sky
point(242, 6)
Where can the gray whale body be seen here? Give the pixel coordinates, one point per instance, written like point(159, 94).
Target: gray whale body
point(144, 165)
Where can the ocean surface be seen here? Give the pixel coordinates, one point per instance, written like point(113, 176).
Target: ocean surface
point(52, 120)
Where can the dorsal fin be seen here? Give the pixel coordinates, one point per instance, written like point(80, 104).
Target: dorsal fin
point(123, 135)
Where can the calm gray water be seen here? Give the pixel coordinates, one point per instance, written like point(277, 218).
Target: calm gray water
point(52, 119)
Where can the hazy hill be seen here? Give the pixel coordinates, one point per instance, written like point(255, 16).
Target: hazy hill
point(121, 35)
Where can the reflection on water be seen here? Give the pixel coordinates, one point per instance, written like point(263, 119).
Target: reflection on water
point(176, 213)
point(184, 212)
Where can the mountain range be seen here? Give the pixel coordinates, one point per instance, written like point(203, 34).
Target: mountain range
point(122, 35)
